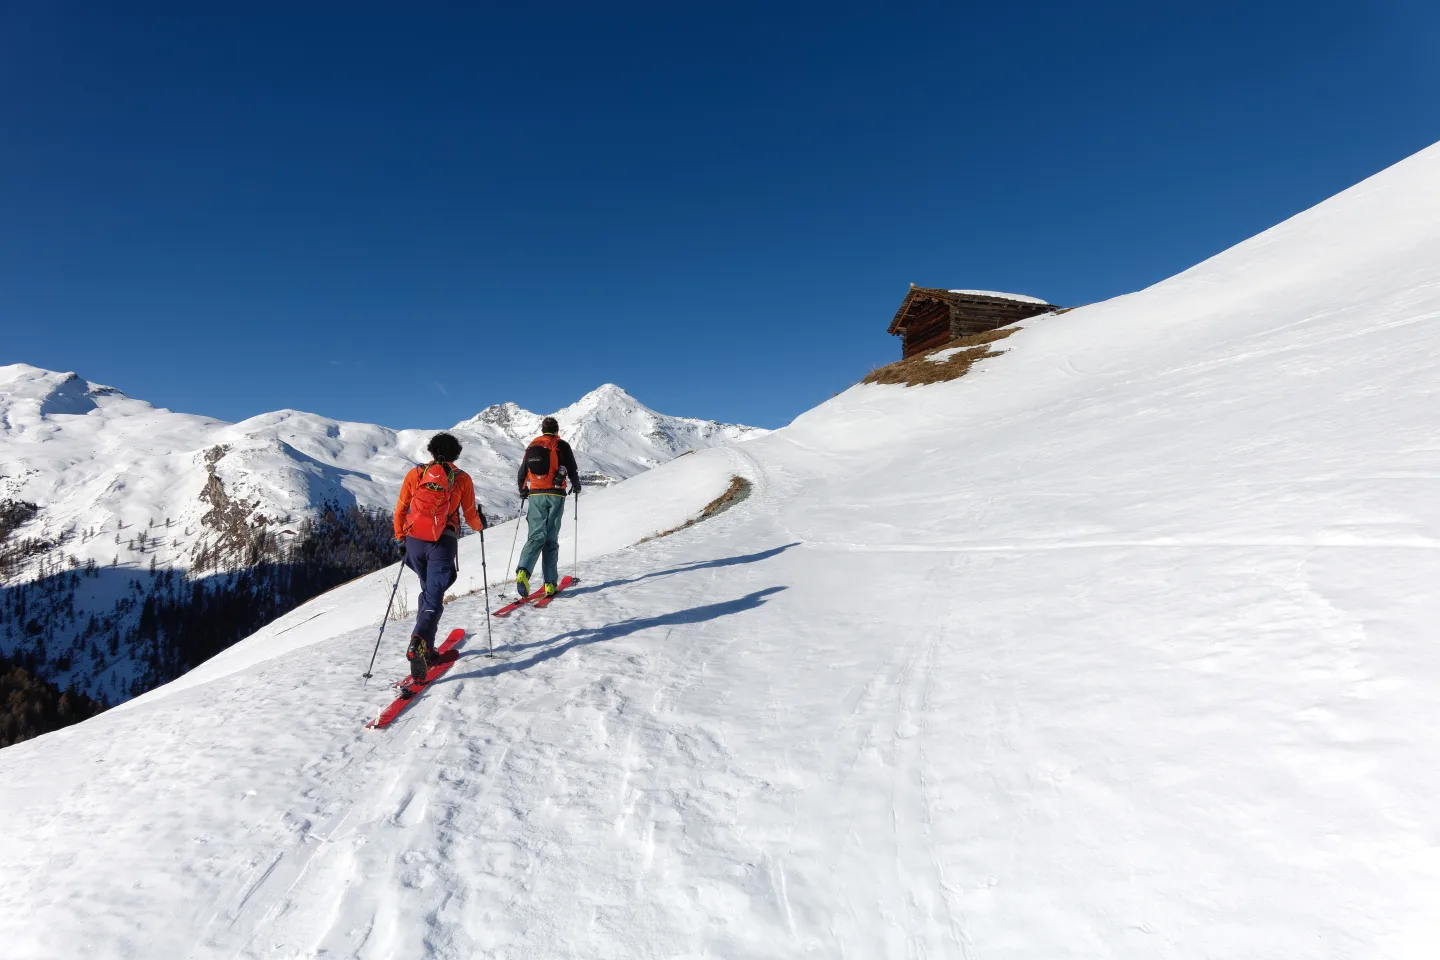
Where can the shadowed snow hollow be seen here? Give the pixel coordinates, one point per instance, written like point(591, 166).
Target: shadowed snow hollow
point(1120, 646)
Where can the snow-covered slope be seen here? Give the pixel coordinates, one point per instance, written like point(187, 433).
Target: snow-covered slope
point(1123, 645)
point(103, 467)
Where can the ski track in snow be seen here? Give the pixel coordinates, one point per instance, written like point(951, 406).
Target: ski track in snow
point(431, 797)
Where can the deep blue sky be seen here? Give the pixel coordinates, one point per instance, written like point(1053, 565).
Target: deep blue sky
point(397, 216)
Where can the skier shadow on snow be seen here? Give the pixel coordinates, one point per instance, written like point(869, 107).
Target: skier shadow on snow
point(565, 642)
point(686, 568)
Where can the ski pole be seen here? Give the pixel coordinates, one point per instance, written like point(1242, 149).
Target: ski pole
point(485, 575)
point(524, 512)
point(575, 565)
point(393, 589)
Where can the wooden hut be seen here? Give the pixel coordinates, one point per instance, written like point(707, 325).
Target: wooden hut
point(930, 317)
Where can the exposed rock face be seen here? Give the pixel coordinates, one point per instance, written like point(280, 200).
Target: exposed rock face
point(240, 537)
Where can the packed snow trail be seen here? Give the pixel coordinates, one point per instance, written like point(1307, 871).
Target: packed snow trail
point(1121, 646)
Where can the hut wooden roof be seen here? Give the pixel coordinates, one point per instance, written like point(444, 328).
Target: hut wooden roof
point(958, 297)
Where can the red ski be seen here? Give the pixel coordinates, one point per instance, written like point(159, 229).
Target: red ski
point(409, 689)
point(516, 604)
point(564, 582)
point(538, 597)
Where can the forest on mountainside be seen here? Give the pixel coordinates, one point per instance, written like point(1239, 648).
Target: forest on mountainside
point(13, 514)
point(163, 622)
point(29, 706)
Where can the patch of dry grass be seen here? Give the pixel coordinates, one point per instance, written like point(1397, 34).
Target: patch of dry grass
point(916, 370)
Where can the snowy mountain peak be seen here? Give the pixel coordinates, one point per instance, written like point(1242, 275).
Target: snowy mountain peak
point(21, 380)
point(31, 394)
point(496, 413)
point(507, 419)
point(608, 392)
point(604, 401)
point(16, 376)
point(606, 419)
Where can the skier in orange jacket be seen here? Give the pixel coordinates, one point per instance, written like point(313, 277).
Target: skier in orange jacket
point(427, 521)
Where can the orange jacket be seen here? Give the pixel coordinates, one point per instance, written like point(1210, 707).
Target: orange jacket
point(462, 497)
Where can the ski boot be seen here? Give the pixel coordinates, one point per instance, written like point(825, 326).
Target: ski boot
point(522, 583)
point(419, 666)
point(551, 590)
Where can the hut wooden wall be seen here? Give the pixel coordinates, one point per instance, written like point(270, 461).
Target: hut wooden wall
point(970, 318)
point(927, 327)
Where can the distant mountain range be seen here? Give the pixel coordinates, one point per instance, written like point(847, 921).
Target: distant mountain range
point(103, 468)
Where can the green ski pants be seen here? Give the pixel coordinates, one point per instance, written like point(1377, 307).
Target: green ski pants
point(544, 515)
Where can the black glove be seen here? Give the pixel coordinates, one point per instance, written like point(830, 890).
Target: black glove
point(577, 489)
point(483, 521)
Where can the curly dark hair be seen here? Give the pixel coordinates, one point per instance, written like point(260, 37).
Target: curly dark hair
point(444, 447)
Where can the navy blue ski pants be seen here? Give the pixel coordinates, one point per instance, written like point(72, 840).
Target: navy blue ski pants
point(437, 565)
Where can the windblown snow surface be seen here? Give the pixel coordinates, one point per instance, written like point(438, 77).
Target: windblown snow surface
point(1124, 645)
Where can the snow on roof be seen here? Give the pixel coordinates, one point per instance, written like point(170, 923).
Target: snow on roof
point(1004, 296)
